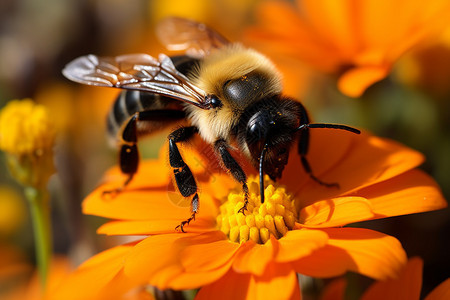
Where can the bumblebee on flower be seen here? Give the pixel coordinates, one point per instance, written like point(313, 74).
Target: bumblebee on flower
point(231, 96)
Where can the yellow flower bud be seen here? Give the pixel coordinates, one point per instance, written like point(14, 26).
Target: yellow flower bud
point(27, 136)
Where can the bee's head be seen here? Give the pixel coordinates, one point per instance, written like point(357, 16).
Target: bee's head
point(270, 124)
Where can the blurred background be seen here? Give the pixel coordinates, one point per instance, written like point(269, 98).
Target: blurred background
point(37, 38)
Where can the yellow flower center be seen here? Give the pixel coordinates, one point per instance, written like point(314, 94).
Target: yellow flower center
point(276, 216)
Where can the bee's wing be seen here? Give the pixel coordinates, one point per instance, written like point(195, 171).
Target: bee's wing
point(137, 72)
point(196, 39)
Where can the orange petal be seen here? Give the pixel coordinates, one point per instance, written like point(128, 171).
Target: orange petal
point(147, 204)
point(334, 22)
point(149, 227)
point(406, 286)
point(297, 76)
point(364, 251)
point(208, 251)
point(134, 205)
point(321, 161)
point(354, 161)
point(376, 22)
point(288, 26)
point(294, 36)
point(119, 286)
point(155, 259)
point(335, 290)
point(250, 252)
point(398, 33)
point(279, 281)
point(94, 275)
point(205, 258)
point(151, 173)
point(184, 280)
point(411, 192)
point(106, 257)
point(300, 243)
point(355, 81)
point(336, 212)
point(231, 286)
point(442, 291)
point(162, 260)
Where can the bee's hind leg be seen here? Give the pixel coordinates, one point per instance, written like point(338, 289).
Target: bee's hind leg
point(184, 178)
point(129, 154)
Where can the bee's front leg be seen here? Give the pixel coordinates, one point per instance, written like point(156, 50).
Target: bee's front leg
point(233, 167)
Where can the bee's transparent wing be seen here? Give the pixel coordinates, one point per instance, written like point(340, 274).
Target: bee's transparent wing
point(137, 72)
point(196, 39)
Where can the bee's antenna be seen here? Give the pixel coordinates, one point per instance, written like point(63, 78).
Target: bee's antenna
point(331, 126)
point(261, 172)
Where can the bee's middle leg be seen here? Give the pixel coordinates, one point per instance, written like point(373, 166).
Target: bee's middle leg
point(183, 175)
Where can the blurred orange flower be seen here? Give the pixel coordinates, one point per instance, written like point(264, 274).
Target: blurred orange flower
point(407, 286)
point(32, 290)
point(18, 282)
point(299, 229)
point(356, 40)
point(21, 286)
point(428, 67)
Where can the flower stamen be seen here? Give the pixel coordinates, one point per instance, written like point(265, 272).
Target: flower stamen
point(276, 216)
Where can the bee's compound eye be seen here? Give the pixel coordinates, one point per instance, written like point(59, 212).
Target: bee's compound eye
point(214, 101)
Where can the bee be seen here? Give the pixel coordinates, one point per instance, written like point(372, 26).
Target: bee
point(228, 94)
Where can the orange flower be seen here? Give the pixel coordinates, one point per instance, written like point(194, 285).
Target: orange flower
point(299, 229)
point(407, 286)
point(357, 40)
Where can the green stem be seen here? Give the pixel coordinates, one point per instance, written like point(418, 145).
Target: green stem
point(40, 215)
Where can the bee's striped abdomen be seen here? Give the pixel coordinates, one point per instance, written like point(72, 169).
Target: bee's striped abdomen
point(129, 102)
